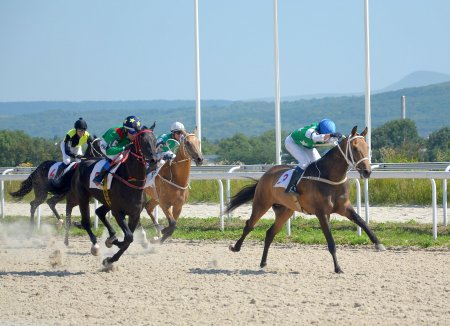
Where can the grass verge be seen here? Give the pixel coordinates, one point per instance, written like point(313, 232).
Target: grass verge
point(303, 231)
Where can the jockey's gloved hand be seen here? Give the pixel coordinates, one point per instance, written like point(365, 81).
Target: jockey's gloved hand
point(168, 156)
point(336, 135)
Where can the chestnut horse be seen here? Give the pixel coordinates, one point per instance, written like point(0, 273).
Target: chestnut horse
point(322, 190)
point(170, 190)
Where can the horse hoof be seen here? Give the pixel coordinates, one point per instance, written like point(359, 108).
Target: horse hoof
point(95, 249)
point(59, 224)
point(380, 247)
point(109, 241)
point(106, 262)
point(144, 244)
point(233, 249)
point(155, 240)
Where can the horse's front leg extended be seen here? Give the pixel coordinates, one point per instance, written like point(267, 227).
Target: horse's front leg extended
point(354, 217)
point(325, 225)
point(101, 213)
point(128, 236)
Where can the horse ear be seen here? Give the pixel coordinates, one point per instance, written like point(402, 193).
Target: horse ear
point(153, 126)
point(195, 131)
point(364, 133)
point(354, 130)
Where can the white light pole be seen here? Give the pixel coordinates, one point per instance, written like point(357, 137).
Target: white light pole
point(197, 76)
point(277, 85)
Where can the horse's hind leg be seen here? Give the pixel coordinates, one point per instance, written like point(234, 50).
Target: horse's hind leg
point(258, 210)
point(325, 226)
point(39, 198)
point(354, 217)
point(52, 201)
point(149, 207)
point(282, 214)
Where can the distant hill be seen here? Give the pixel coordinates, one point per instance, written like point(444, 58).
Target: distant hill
point(417, 79)
point(428, 106)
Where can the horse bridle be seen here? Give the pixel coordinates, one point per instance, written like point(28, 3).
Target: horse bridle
point(348, 152)
point(183, 148)
point(139, 155)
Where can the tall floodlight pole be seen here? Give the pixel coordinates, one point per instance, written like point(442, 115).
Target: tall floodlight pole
point(197, 76)
point(367, 101)
point(277, 85)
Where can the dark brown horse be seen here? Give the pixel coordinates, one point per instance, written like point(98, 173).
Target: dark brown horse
point(38, 182)
point(322, 190)
point(171, 187)
point(124, 198)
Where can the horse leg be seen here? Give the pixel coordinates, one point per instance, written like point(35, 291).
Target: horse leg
point(101, 213)
point(51, 202)
point(86, 223)
point(257, 213)
point(128, 236)
point(168, 231)
point(69, 208)
point(325, 226)
point(149, 207)
point(282, 214)
point(354, 217)
point(39, 198)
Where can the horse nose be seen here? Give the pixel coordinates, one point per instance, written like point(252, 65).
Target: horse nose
point(366, 173)
point(199, 161)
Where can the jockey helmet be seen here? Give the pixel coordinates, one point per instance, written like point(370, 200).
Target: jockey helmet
point(80, 124)
point(132, 124)
point(327, 126)
point(176, 126)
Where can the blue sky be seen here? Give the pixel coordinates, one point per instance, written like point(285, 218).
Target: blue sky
point(144, 49)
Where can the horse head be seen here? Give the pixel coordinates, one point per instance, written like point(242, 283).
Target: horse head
point(358, 154)
point(93, 149)
point(190, 147)
point(145, 145)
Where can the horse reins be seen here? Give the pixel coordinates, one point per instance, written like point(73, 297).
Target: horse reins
point(350, 162)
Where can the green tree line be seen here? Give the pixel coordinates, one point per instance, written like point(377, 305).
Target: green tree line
point(394, 141)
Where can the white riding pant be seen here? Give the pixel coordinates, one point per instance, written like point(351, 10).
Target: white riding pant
point(302, 154)
point(74, 150)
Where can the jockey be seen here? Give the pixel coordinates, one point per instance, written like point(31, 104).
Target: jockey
point(168, 147)
point(302, 143)
point(71, 145)
point(115, 141)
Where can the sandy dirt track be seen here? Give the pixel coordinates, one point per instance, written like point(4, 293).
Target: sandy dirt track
point(203, 283)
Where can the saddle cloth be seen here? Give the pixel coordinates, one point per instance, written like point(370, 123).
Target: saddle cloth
point(98, 166)
point(55, 166)
point(283, 180)
point(150, 182)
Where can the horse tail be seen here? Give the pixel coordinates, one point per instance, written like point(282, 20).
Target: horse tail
point(25, 187)
point(244, 195)
point(61, 186)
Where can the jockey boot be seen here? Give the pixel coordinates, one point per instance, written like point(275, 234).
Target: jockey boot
point(292, 186)
point(98, 180)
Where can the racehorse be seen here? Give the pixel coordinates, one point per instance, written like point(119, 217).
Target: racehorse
point(170, 189)
point(125, 196)
point(38, 182)
point(322, 190)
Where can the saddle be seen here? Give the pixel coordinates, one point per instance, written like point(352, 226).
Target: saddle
point(54, 168)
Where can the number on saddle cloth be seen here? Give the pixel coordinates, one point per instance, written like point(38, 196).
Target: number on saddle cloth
point(54, 169)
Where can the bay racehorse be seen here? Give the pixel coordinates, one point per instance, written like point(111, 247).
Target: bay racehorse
point(322, 190)
point(38, 182)
point(125, 197)
point(170, 189)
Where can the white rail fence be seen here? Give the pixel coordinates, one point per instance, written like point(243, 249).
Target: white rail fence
point(226, 172)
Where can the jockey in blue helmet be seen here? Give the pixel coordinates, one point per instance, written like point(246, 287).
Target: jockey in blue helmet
point(302, 143)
